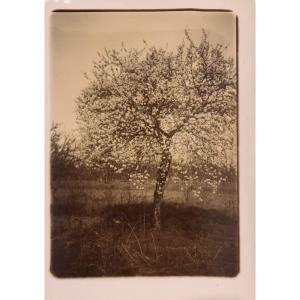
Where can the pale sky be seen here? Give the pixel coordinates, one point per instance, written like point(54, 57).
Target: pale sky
point(75, 39)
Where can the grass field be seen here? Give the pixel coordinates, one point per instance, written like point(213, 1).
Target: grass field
point(106, 230)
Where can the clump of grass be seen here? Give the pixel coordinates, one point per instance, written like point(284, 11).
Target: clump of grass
point(119, 240)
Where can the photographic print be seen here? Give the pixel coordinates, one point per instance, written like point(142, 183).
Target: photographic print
point(144, 143)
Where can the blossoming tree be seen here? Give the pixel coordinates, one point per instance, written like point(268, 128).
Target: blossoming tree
point(147, 104)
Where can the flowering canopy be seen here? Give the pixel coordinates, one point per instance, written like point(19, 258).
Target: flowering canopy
point(142, 104)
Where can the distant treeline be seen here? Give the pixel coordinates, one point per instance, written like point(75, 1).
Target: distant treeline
point(67, 163)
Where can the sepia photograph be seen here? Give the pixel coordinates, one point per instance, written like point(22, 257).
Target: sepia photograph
point(143, 143)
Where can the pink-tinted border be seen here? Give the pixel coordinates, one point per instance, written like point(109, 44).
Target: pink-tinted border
point(241, 287)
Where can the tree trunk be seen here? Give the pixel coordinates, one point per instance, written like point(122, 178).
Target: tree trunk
point(162, 174)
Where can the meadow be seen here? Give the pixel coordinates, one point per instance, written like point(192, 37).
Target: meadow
point(105, 229)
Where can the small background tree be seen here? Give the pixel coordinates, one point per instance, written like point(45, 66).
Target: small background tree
point(63, 158)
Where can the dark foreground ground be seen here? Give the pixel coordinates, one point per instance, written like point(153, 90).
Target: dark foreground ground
point(118, 240)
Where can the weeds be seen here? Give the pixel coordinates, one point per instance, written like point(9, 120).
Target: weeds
point(118, 240)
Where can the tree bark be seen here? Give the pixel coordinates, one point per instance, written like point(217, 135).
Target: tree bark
point(162, 174)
